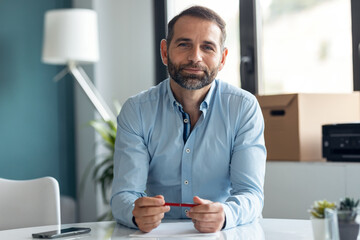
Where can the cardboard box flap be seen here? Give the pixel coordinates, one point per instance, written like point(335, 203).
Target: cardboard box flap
point(272, 101)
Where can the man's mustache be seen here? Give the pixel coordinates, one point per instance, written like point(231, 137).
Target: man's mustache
point(191, 65)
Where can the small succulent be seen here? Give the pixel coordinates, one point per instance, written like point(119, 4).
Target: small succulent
point(347, 211)
point(348, 204)
point(318, 209)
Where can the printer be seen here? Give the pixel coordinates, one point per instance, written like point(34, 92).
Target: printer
point(341, 142)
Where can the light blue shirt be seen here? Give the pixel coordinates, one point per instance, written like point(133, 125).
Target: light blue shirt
point(222, 159)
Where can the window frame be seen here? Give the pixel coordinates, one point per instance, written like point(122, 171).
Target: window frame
point(355, 30)
point(249, 64)
point(160, 25)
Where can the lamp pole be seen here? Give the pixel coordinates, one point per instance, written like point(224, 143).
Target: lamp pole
point(81, 77)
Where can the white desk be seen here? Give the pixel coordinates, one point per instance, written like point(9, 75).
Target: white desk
point(269, 229)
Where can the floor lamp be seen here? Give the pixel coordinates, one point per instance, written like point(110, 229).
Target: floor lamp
point(71, 39)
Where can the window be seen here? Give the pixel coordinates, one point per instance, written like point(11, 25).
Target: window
point(288, 45)
point(305, 46)
point(230, 13)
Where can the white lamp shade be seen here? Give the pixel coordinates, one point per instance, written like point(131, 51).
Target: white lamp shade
point(71, 35)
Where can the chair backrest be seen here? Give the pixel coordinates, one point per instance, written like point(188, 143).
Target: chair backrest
point(29, 203)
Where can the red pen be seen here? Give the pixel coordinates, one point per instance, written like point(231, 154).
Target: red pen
point(180, 204)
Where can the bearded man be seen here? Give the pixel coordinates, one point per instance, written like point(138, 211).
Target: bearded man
point(190, 139)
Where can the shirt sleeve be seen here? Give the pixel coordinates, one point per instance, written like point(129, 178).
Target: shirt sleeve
point(131, 164)
point(247, 168)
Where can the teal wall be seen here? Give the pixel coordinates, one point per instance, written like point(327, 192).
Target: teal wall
point(36, 114)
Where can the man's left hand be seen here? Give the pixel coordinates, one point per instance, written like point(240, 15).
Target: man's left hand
point(208, 216)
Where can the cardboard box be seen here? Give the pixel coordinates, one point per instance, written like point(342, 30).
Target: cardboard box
point(293, 122)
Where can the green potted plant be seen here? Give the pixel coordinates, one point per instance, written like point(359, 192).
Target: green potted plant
point(346, 213)
point(317, 212)
point(102, 167)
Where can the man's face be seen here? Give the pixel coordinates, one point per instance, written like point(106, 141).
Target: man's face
point(194, 55)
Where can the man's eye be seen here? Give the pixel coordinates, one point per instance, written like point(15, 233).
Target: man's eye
point(208, 48)
point(183, 45)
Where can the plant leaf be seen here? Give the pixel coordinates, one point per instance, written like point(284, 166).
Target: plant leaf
point(107, 134)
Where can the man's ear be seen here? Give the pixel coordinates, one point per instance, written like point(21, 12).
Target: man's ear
point(164, 52)
point(223, 58)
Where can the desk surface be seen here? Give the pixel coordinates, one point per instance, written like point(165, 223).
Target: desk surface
point(269, 229)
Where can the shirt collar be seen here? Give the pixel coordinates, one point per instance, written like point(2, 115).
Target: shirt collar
point(171, 95)
point(204, 106)
point(207, 101)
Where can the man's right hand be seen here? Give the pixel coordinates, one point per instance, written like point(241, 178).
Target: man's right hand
point(149, 211)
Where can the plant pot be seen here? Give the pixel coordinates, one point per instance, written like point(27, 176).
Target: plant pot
point(319, 228)
point(346, 215)
point(348, 230)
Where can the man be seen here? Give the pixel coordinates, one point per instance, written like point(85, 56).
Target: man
point(190, 139)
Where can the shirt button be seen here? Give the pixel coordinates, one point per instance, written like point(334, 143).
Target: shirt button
point(186, 211)
point(187, 150)
point(186, 120)
point(186, 182)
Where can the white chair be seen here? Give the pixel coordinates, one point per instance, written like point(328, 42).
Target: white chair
point(29, 203)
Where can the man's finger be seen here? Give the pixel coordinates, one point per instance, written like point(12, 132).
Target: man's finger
point(206, 228)
point(207, 208)
point(150, 201)
point(151, 219)
point(208, 225)
point(205, 217)
point(149, 211)
point(147, 227)
point(198, 200)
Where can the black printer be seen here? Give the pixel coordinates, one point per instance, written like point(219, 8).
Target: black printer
point(341, 142)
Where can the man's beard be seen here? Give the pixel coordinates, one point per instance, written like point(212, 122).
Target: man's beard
point(191, 81)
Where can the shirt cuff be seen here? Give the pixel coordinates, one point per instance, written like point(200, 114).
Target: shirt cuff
point(229, 223)
point(224, 225)
point(133, 220)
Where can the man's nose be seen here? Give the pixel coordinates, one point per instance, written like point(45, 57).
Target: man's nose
point(195, 55)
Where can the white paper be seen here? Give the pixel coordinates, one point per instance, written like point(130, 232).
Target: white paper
point(175, 229)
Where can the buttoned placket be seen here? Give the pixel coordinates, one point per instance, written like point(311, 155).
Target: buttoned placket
point(186, 161)
point(186, 173)
point(187, 156)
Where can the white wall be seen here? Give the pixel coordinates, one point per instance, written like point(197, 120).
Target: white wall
point(85, 141)
point(126, 67)
point(292, 187)
point(126, 48)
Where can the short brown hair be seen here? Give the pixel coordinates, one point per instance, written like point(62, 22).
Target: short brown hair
point(199, 12)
